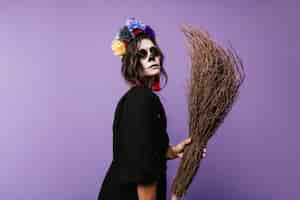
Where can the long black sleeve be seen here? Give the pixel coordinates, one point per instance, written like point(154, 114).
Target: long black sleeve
point(142, 160)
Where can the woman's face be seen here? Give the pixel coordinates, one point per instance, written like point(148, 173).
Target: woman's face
point(149, 57)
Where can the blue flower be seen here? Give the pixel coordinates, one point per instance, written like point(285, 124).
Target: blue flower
point(133, 23)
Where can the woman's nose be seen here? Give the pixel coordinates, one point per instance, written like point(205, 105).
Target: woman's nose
point(151, 57)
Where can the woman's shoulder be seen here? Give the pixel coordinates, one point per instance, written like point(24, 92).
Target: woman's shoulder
point(141, 94)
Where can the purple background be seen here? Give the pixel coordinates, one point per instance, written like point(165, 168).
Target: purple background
point(60, 83)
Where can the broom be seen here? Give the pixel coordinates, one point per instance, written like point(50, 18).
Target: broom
point(216, 75)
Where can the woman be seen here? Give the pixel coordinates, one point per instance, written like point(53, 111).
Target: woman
point(140, 140)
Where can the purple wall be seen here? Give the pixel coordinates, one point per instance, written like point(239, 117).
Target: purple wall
point(60, 83)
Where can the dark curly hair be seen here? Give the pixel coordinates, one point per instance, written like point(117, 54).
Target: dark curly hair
point(132, 69)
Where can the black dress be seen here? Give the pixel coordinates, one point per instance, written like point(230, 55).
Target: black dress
point(140, 142)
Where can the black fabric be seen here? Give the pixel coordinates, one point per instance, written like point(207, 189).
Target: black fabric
point(140, 142)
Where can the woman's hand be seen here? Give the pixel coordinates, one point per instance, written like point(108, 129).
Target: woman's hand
point(177, 150)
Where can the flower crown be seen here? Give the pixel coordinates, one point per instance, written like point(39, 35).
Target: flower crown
point(127, 33)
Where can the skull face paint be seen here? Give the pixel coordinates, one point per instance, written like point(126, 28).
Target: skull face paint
point(149, 56)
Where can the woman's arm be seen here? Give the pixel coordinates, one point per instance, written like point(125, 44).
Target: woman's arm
point(147, 192)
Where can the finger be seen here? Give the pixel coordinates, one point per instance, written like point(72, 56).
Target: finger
point(179, 147)
point(185, 142)
point(204, 150)
point(189, 140)
point(203, 155)
point(180, 155)
point(182, 143)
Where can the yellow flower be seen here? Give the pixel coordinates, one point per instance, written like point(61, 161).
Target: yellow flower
point(118, 47)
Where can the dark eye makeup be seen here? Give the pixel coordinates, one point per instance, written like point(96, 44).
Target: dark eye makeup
point(154, 51)
point(142, 53)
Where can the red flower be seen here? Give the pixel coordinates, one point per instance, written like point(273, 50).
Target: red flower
point(156, 86)
point(125, 42)
point(137, 31)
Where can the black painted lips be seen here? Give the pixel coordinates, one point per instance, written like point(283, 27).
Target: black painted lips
point(155, 65)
